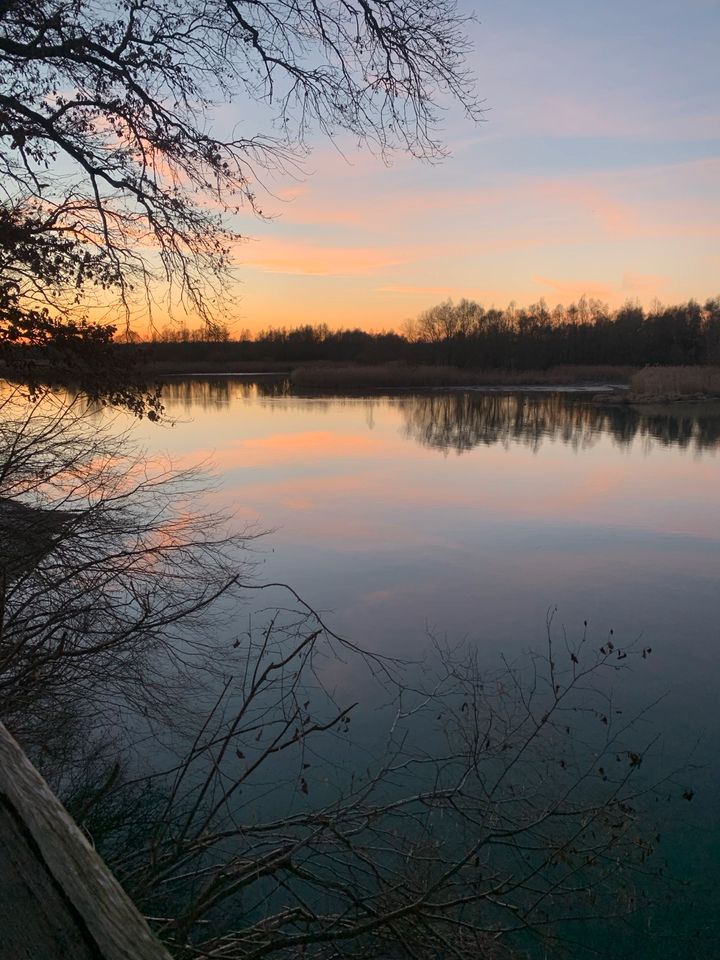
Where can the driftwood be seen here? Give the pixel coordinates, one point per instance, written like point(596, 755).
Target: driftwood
point(58, 900)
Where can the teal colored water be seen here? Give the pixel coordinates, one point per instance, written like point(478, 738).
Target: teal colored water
point(469, 515)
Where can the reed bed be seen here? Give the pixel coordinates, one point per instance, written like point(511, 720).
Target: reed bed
point(655, 384)
point(214, 367)
point(398, 376)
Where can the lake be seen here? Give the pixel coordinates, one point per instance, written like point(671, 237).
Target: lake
point(470, 515)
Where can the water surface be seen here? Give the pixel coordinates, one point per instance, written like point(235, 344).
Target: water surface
point(470, 515)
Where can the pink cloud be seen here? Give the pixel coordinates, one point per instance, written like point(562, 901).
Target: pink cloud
point(304, 259)
point(379, 251)
point(632, 203)
point(630, 284)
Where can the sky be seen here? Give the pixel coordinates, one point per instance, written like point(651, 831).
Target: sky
point(596, 171)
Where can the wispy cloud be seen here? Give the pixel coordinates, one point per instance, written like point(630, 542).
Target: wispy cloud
point(304, 259)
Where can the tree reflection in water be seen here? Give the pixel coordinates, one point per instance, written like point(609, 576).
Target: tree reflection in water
point(462, 421)
point(214, 393)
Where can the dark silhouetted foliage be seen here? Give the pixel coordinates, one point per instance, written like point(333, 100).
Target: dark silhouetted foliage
point(469, 335)
point(116, 183)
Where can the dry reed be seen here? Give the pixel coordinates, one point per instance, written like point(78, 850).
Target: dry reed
point(675, 383)
point(398, 376)
point(211, 367)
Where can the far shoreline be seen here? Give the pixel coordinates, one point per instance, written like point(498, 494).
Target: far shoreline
point(394, 376)
point(606, 384)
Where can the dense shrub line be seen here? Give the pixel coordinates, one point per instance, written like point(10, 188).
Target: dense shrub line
point(466, 334)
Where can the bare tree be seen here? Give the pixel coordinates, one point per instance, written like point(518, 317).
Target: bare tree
point(107, 569)
point(502, 804)
point(116, 171)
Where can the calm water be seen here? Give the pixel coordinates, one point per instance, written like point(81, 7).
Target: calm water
point(470, 515)
point(474, 513)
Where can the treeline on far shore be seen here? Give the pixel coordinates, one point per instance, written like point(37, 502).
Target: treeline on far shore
point(466, 334)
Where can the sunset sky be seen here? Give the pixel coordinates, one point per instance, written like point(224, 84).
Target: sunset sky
point(596, 171)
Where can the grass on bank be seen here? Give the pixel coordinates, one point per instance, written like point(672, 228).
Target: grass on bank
point(657, 384)
point(356, 376)
point(178, 368)
point(651, 384)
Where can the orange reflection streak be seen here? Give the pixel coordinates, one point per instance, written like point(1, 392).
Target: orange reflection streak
point(312, 446)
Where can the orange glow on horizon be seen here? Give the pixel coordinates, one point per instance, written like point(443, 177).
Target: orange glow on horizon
point(361, 245)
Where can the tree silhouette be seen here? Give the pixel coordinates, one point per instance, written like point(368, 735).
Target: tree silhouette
point(106, 570)
point(503, 808)
point(116, 175)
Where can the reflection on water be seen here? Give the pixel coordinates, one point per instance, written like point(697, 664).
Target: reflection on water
point(461, 421)
point(609, 512)
point(214, 393)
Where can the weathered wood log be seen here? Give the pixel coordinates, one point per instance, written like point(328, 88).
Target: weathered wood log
point(58, 900)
